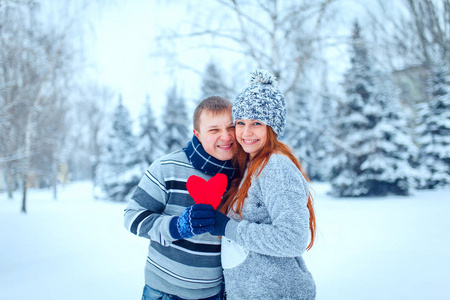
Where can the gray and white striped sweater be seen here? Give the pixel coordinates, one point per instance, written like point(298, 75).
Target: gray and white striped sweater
point(189, 268)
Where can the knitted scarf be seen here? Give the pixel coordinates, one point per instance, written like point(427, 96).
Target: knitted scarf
point(206, 163)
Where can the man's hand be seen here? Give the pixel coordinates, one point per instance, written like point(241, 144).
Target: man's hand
point(194, 220)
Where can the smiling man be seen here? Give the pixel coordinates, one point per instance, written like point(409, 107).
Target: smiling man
point(215, 132)
point(183, 262)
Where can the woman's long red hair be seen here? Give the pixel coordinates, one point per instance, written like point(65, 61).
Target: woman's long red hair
point(235, 196)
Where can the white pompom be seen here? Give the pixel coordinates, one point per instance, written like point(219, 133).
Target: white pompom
point(263, 77)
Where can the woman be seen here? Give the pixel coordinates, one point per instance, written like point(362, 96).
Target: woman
point(269, 217)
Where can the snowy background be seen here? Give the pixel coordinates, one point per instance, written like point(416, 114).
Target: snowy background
point(105, 87)
point(91, 92)
point(77, 248)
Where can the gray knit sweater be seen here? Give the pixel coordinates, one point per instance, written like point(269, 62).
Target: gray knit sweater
point(274, 231)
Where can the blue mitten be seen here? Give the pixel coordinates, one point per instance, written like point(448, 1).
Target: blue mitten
point(220, 223)
point(194, 220)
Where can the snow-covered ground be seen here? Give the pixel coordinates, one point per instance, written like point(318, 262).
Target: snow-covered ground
point(77, 248)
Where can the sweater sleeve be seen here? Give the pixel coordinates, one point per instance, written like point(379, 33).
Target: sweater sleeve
point(144, 215)
point(284, 191)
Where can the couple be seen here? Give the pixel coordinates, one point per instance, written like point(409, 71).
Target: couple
point(266, 218)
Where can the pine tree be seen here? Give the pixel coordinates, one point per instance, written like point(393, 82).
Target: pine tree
point(376, 147)
point(149, 136)
point(176, 133)
point(213, 83)
point(120, 168)
point(395, 143)
point(298, 134)
point(321, 143)
point(433, 130)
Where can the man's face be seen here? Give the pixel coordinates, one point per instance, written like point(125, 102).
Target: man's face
point(216, 133)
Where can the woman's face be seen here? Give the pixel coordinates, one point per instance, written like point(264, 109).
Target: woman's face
point(251, 135)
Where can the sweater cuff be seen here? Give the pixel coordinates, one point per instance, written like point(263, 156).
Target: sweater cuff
point(231, 229)
point(167, 238)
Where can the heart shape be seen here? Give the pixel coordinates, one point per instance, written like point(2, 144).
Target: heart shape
point(207, 192)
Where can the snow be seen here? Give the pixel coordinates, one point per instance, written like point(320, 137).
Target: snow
point(382, 248)
point(367, 248)
point(71, 248)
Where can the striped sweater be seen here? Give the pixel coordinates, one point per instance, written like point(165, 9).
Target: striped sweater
point(189, 268)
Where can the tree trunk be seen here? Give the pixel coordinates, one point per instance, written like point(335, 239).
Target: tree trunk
point(54, 176)
point(9, 185)
point(54, 185)
point(26, 160)
point(24, 193)
point(55, 190)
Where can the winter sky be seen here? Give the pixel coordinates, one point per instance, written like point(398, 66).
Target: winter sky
point(122, 43)
point(123, 47)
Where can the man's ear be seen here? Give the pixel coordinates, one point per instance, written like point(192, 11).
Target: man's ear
point(197, 134)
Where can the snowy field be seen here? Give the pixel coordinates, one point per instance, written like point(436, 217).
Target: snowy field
point(76, 248)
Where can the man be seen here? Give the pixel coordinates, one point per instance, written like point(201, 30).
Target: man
point(182, 262)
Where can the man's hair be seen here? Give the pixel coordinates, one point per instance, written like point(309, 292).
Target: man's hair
point(213, 104)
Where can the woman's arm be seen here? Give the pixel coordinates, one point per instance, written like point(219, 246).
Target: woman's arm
point(284, 192)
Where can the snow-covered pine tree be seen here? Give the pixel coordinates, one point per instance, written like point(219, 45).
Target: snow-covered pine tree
point(298, 134)
point(433, 130)
point(321, 142)
point(373, 159)
point(120, 167)
point(176, 133)
point(213, 83)
point(395, 138)
point(150, 144)
point(307, 124)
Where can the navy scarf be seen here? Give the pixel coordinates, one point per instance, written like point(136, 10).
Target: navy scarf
point(206, 163)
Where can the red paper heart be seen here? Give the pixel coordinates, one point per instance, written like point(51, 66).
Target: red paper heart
point(207, 192)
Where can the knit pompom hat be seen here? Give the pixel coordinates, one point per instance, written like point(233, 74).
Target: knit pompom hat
point(261, 101)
